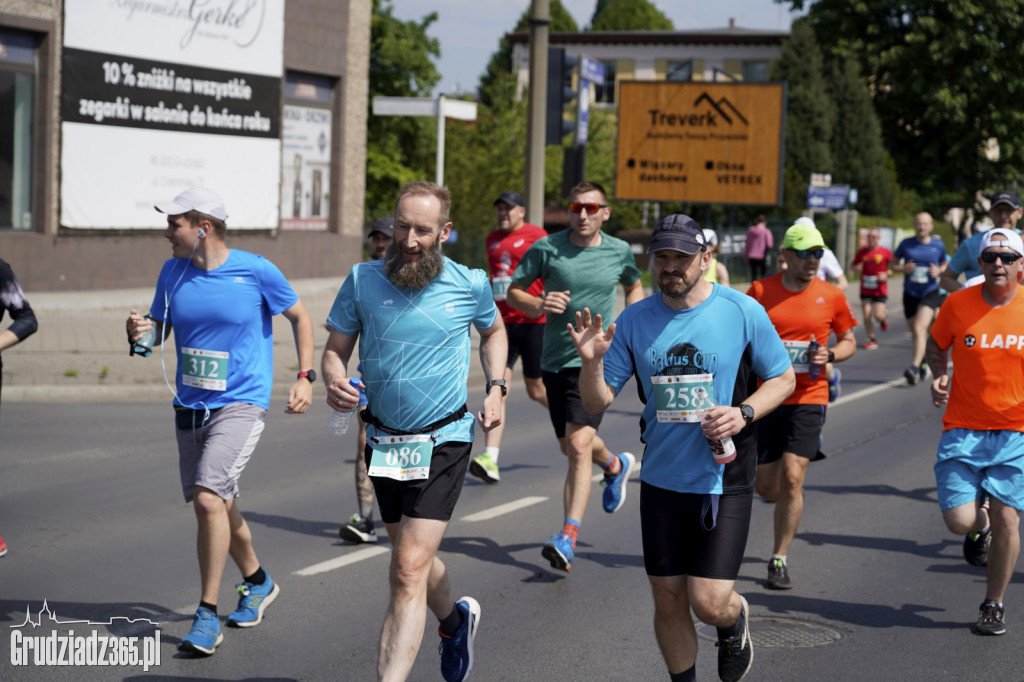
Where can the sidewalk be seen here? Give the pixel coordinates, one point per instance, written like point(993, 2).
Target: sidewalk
point(81, 352)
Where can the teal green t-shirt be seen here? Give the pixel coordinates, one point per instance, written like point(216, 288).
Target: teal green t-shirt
point(588, 273)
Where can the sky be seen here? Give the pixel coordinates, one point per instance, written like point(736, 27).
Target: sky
point(469, 30)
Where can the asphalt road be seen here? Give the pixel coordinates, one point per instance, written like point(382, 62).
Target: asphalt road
point(90, 506)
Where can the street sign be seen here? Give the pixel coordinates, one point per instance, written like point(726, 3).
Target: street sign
point(591, 70)
point(821, 179)
point(829, 198)
point(441, 107)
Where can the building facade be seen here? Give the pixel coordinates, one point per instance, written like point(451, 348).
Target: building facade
point(109, 107)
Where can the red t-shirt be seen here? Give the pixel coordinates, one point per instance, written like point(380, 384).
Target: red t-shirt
point(987, 387)
point(817, 311)
point(875, 261)
point(504, 251)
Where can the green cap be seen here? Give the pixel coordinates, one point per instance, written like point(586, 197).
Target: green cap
point(802, 236)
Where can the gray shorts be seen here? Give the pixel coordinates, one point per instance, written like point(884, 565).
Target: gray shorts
point(213, 455)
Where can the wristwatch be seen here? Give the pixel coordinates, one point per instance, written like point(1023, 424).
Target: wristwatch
point(831, 356)
point(748, 413)
point(308, 374)
point(496, 382)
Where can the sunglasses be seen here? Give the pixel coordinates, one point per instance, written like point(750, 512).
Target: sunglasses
point(576, 207)
point(1007, 258)
point(807, 253)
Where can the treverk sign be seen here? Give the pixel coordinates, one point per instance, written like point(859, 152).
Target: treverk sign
point(701, 142)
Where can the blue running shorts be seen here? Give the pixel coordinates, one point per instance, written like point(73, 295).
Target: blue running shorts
point(969, 461)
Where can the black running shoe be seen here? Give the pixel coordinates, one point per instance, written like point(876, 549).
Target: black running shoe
point(990, 619)
point(976, 547)
point(736, 653)
point(910, 374)
point(778, 575)
point(358, 529)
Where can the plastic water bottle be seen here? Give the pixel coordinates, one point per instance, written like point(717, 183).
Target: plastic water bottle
point(813, 368)
point(723, 451)
point(144, 346)
point(339, 422)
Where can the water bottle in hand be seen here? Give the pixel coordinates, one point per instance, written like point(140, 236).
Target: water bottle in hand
point(144, 346)
point(813, 368)
point(339, 422)
point(723, 451)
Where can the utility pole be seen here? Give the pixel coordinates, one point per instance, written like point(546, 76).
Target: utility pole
point(540, 19)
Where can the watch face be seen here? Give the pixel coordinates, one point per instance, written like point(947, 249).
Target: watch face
point(311, 375)
point(748, 412)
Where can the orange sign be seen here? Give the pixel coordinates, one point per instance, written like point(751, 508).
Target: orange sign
point(717, 143)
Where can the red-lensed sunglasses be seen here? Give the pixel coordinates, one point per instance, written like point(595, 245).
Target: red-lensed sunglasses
point(576, 207)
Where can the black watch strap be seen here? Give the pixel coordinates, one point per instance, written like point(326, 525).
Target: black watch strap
point(496, 382)
point(748, 413)
point(831, 356)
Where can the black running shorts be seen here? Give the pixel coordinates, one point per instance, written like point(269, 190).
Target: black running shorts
point(564, 402)
point(790, 428)
point(525, 339)
point(430, 498)
point(676, 536)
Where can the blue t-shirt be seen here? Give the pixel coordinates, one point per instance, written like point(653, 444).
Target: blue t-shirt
point(414, 345)
point(919, 283)
point(965, 260)
point(223, 327)
point(728, 336)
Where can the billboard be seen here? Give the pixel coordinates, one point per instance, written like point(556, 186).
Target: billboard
point(162, 95)
point(701, 142)
point(306, 170)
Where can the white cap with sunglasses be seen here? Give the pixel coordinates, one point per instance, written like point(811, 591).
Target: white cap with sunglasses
point(1010, 239)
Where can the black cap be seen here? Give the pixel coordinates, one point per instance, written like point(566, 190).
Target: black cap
point(385, 226)
point(1005, 196)
point(511, 198)
point(678, 232)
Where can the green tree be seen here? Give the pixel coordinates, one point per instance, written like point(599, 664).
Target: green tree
point(629, 15)
point(500, 63)
point(398, 148)
point(857, 150)
point(945, 79)
point(810, 115)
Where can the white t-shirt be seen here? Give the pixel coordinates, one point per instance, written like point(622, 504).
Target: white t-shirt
point(829, 267)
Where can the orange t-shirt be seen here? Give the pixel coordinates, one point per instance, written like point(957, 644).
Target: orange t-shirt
point(818, 310)
point(987, 389)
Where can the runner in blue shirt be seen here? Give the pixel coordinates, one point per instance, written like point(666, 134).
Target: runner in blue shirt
point(1004, 211)
point(412, 313)
point(220, 303)
point(691, 339)
point(924, 260)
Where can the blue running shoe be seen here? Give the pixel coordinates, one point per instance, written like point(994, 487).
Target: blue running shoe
point(205, 634)
point(457, 651)
point(253, 600)
point(558, 550)
point(615, 486)
point(834, 389)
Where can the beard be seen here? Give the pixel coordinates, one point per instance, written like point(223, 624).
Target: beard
point(413, 274)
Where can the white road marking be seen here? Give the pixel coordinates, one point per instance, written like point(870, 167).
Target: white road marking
point(503, 509)
point(343, 561)
point(865, 392)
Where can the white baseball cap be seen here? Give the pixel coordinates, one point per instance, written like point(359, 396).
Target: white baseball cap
point(1012, 240)
point(195, 199)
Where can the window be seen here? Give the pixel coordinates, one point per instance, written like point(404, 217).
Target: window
point(604, 93)
point(679, 71)
point(17, 111)
point(755, 72)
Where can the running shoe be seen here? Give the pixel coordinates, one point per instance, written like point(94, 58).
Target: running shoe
point(885, 325)
point(457, 651)
point(990, 619)
point(736, 653)
point(834, 389)
point(3, 546)
point(615, 486)
point(558, 550)
point(205, 635)
point(358, 529)
point(924, 372)
point(870, 344)
point(485, 468)
point(976, 547)
point(910, 374)
point(778, 575)
point(253, 600)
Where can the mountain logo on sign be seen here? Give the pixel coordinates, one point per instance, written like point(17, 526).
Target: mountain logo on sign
point(723, 106)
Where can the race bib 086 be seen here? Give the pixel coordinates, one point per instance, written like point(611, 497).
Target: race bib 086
point(402, 458)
